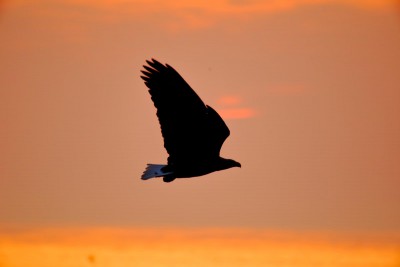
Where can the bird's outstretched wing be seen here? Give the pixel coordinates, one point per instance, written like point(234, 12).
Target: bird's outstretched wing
point(191, 130)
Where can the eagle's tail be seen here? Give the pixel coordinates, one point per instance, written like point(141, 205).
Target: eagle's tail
point(154, 170)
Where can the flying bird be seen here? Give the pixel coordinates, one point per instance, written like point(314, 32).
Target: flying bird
point(193, 132)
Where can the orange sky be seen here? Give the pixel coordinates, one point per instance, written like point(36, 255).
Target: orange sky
point(194, 247)
point(309, 89)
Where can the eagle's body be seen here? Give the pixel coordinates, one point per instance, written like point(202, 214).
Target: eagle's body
point(193, 132)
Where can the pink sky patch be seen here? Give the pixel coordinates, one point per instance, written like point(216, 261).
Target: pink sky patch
point(231, 108)
point(237, 113)
point(229, 100)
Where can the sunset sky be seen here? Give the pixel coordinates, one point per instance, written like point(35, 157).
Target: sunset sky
point(310, 90)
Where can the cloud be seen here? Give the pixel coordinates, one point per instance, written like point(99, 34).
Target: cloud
point(229, 100)
point(237, 113)
point(231, 108)
point(191, 14)
point(230, 6)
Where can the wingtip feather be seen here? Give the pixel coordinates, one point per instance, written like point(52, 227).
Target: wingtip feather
point(155, 64)
point(149, 69)
point(145, 78)
point(146, 73)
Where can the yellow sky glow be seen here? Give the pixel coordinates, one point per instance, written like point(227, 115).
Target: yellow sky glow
point(192, 247)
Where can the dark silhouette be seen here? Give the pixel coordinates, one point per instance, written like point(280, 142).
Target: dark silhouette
point(193, 132)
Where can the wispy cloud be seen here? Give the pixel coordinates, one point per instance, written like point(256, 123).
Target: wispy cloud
point(229, 100)
point(192, 14)
point(237, 113)
point(226, 6)
point(231, 107)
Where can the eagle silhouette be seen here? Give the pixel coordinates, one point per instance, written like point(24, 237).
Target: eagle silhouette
point(193, 132)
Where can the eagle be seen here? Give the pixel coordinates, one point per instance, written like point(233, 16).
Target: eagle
point(193, 132)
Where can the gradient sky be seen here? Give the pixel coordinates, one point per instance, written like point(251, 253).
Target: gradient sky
point(309, 88)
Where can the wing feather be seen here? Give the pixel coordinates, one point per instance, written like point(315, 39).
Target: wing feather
point(191, 130)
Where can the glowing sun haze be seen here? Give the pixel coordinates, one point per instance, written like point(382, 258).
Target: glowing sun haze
point(192, 247)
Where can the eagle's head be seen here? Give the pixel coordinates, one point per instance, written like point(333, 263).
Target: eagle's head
point(227, 163)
